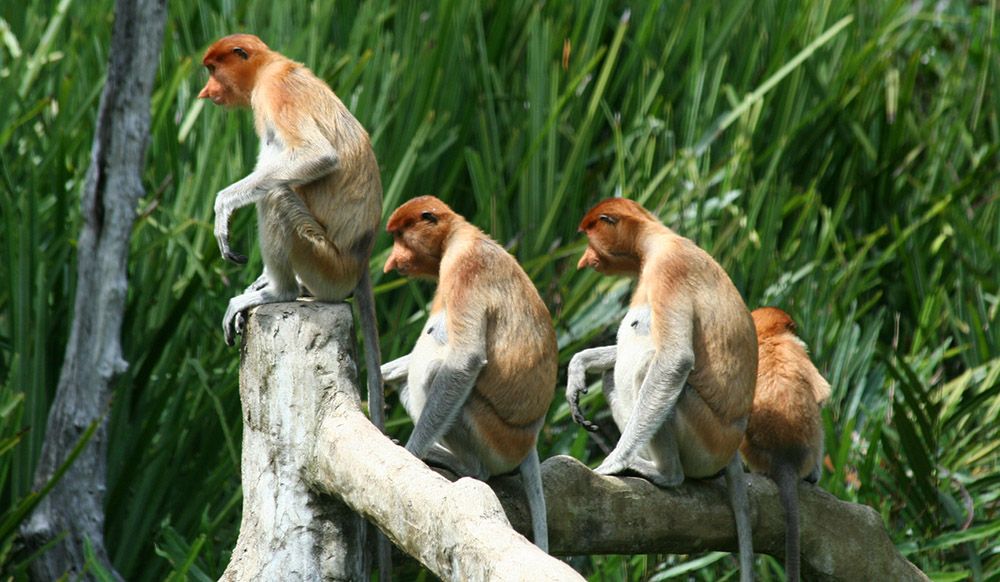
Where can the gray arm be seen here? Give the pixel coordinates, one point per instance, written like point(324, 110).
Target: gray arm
point(448, 391)
point(290, 167)
point(590, 361)
point(657, 397)
point(396, 370)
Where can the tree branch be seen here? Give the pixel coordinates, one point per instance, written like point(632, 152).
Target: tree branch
point(594, 514)
point(460, 530)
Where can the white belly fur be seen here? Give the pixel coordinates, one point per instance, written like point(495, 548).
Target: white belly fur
point(635, 351)
point(431, 346)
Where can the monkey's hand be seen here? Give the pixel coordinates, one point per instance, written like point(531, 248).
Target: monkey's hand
point(576, 386)
point(614, 464)
point(592, 360)
point(222, 236)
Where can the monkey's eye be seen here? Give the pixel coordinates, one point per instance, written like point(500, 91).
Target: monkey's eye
point(608, 219)
point(242, 53)
point(429, 217)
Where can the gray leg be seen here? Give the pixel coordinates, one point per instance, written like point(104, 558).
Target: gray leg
point(531, 476)
point(736, 483)
point(462, 465)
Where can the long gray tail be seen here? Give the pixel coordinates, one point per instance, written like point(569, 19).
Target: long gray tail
point(788, 492)
point(740, 502)
point(531, 477)
point(365, 298)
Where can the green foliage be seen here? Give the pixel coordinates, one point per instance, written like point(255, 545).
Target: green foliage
point(840, 159)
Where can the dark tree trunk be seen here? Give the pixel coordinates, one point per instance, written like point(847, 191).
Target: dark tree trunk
point(75, 507)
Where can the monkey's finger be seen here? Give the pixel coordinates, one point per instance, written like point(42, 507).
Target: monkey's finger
point(234, 257)
point(582, 421)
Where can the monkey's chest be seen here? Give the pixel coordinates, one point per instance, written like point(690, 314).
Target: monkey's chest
point(430, 348)
point(635, 349)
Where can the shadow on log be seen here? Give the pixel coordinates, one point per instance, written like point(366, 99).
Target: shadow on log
point(307, 446)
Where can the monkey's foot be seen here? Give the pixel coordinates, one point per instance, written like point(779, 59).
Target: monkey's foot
point(652, 473)
point(642, 468)
point(258, 284)
point(233, 324)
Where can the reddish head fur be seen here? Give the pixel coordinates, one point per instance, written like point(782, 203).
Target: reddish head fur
point(771, 321)
point(232, 64)
point(613, 228)
point(419, 230)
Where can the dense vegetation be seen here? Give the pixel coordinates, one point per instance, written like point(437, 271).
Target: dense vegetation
point(840, 159)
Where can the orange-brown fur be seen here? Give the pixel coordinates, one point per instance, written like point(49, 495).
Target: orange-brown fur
point(288, 102)
point(679, 279)
point(785, 423)
point(478, 278)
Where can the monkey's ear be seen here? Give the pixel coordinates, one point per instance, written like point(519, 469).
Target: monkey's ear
point(429, 217)
point(608, 218)
point(242, 53)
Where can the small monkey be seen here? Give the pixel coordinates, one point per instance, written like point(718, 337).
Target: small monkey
point(784, 438)
point(480, 379)
point(685, 362)
point(316, 186)
point(318, 193)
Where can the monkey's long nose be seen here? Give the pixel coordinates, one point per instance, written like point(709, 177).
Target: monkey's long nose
point(589, 259)
point(390, 263)
point(204, 93)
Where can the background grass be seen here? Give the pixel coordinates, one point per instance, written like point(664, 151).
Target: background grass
point(849, 177)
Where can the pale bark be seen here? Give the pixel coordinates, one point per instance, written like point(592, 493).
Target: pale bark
point(292, 354)
point(75, 507)
point(461, 530)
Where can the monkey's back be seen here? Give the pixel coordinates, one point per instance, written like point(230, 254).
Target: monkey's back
point(785, 422)
point(723, 336)
point(516, 386)
point(347, 204)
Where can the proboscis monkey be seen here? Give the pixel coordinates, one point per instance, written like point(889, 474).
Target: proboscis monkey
point(784, 438)
point(480, 378)
point(316, 186)
point(685, 363)
point(318, 193)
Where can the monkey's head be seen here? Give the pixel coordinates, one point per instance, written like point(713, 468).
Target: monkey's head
point(419, 230)
point(771, 321)
point(232, 63)
point(613, 228)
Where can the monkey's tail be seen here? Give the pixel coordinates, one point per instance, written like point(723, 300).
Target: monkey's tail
point(787, 479)
point(364, 296)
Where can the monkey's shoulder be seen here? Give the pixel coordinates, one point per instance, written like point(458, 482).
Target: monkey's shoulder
point(678, 265)
point(436, 329)
point(637, 323)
